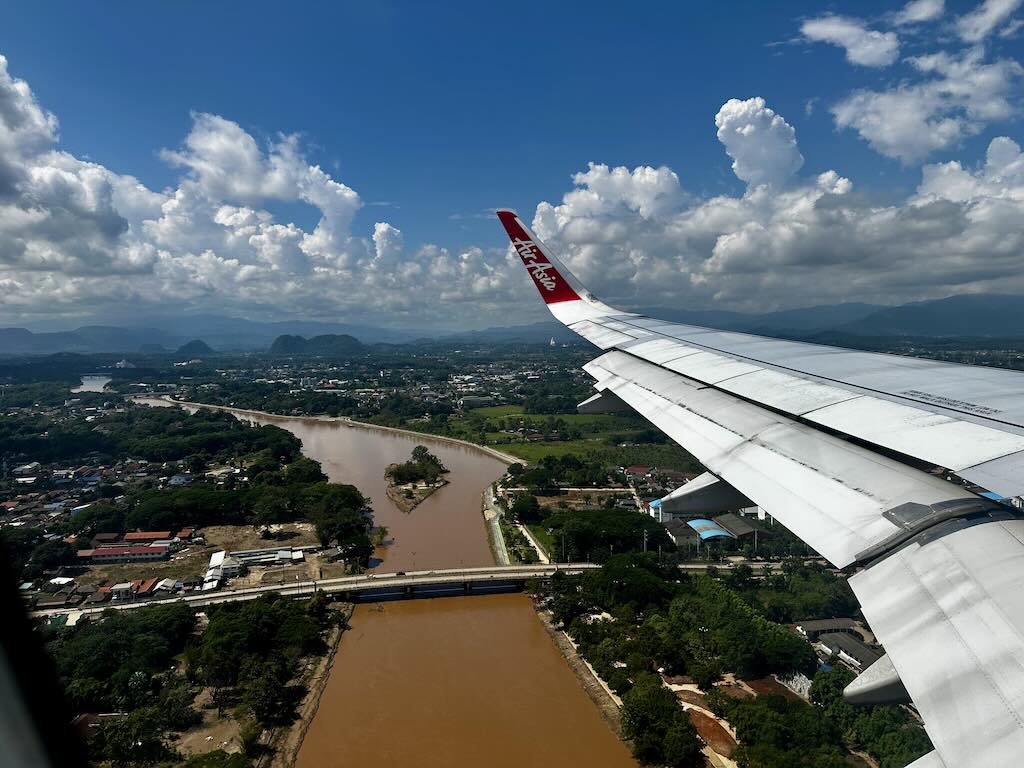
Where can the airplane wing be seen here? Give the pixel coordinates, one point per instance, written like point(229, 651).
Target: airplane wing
point(867, 457)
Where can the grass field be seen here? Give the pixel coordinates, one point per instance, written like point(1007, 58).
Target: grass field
point(595, 436)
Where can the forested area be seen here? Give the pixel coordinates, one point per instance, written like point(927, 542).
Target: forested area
point(566, 470)
point(152, 663)
point(139, 432)
point(705, 626)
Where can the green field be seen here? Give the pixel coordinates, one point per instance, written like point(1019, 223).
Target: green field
point(594, 436)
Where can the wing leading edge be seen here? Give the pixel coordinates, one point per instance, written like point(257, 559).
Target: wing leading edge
point(838, 446)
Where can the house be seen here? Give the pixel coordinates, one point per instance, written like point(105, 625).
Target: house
point(105, 539)
point(31, 468)
point(122, 591)
point(97, 597)
point(637, 470)
point(814, 628)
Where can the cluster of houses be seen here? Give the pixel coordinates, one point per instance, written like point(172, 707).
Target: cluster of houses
point(72, 594)
point(128, 471)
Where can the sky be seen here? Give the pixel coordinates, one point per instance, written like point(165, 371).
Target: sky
point(342, 161)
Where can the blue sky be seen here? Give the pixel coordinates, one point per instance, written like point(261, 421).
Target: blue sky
point(434, 113)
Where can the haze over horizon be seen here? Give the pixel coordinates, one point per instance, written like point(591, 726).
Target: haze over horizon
point(342, 166)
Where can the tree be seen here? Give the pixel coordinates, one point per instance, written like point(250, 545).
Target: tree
point(661, 732)
point(525, 509)
point(304, 470)
point(136, 738)
point(49, 555)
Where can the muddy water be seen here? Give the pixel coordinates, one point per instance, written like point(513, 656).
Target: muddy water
point(460, 682)
point(445, 531)
point(453, 682)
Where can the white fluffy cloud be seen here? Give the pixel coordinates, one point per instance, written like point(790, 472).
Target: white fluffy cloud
point(761, 144)
point(863, 46)
point(919, 11)
point(979, 23)
point(949, 94)
point(811, 241)
point(76, 238)
point(956, 97)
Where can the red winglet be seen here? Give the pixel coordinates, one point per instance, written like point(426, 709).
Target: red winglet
point(550, 282)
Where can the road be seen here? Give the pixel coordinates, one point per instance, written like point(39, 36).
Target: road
point(393, 581)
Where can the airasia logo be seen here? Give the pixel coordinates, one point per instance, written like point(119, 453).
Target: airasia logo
point(539, 269)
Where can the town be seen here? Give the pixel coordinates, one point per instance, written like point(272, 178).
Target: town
point(122, 498)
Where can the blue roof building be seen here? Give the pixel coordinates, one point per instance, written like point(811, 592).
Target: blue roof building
point(709, 529)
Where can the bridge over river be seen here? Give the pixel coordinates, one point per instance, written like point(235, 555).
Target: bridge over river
point(373, 587)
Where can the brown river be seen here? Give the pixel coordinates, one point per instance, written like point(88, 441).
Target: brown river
point(453, 682)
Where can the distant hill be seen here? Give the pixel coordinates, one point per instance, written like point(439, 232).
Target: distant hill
point(979, 315)
point(965, 315)
point(195, 348)
point(325, 344)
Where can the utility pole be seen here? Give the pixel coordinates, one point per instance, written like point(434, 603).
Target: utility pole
point(645, 541)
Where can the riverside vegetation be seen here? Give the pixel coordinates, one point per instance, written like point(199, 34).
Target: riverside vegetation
point(635, 617)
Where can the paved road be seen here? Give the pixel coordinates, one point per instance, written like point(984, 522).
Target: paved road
point(386, 581)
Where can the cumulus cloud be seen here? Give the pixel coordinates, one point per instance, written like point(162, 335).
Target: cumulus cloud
point(975, 26)
point(77, 238)
point(817, 241)
point(761, 144)
point(919, 11)
point(863, 46)
point(958, 97)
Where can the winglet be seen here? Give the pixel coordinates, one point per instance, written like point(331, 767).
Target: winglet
point(545, 269)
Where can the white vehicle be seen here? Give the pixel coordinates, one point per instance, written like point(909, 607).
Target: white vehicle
point(865, 457)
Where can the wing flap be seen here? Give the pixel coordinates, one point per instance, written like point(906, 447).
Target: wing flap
point(829, 492)
point(949, 615)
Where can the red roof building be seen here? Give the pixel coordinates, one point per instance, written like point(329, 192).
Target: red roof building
point(137, 536)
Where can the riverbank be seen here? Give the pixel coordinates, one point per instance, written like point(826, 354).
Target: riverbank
point(286, 743)
point(607, 703)
point(416, 494)
point(508, 458)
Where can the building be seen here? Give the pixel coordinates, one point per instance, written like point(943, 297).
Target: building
point(147, 537)
point(709, 529)
point(680, 532)
point(122, 591)
point(124, 554)
point(814, 628)
point(849, 649)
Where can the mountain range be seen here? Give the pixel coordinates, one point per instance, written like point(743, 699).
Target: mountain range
point(992, 315)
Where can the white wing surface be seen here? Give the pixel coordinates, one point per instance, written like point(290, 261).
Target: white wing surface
point(866, 457)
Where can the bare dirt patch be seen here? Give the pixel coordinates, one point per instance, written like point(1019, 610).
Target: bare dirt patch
point(692, 697)
point(769, 685)
point(215, 732)
point(408, 497)
point(712, 732)
point(735, 691)
point(242, 537)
